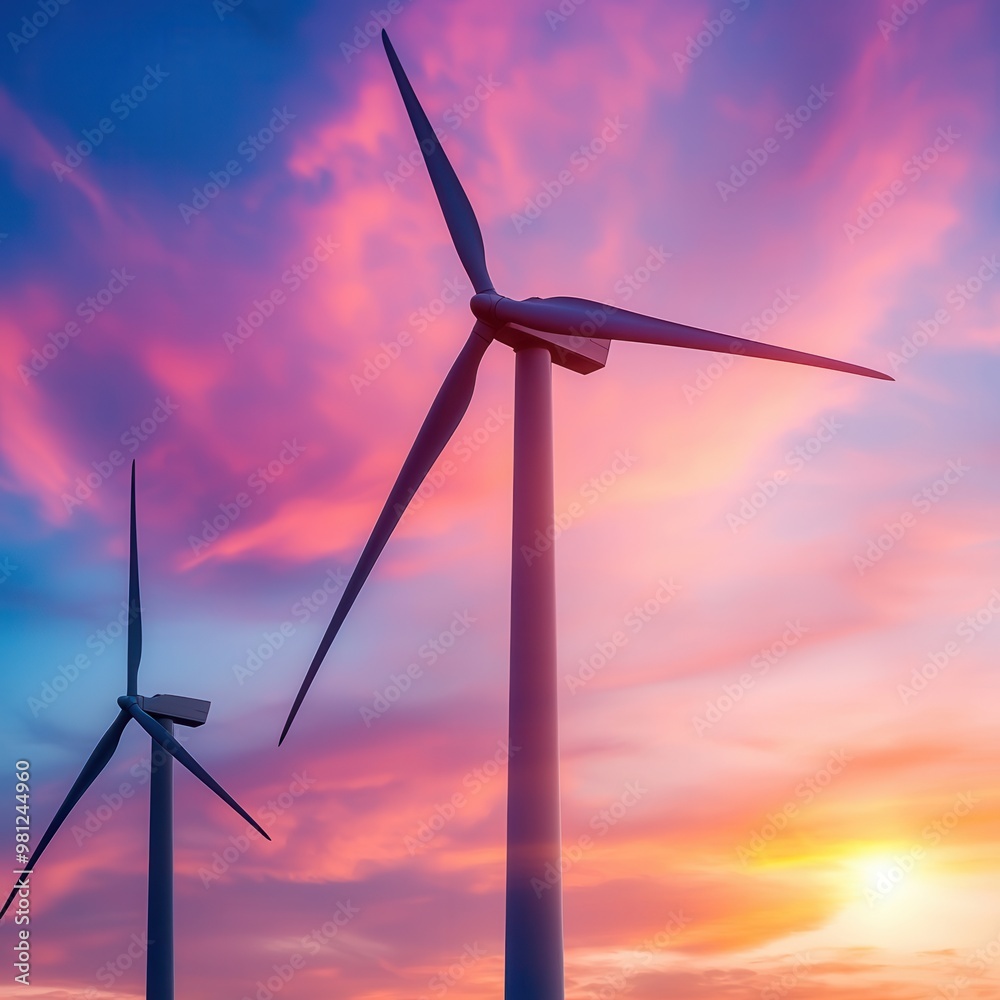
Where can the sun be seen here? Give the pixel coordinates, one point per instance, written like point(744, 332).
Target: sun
point(887, 877)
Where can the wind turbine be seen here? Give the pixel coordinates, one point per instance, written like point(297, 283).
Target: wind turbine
point(541, 332)
point(157, 715)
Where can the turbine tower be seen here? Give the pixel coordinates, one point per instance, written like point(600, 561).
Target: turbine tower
point(157, 715)
point(542, 332)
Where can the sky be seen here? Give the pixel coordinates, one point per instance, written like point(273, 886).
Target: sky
point(778, 596)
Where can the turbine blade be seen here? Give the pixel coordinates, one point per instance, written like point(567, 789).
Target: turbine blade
point(442, 419)
point(570, 316)
point(134, 612)
point(96, 763)
point(158, 733)
point(458, 213)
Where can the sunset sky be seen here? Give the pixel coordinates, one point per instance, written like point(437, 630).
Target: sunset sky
point(778, 587)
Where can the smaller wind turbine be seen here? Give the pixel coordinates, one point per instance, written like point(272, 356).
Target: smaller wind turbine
point(157, 716)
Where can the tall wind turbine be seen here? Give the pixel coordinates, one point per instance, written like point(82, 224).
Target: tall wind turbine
point(157, 715)
point(541, 332)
